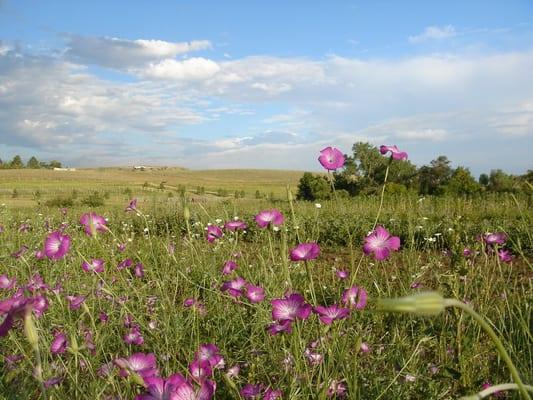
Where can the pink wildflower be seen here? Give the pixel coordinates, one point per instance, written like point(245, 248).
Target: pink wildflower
point(305, 251)
point(380, 242)
point(56, 245)
point(395, 153)
point(59, 344)
point(269, 217)
point(96, 265)
point(331, 158)
point(290, 308)
point(355, 297)
point(213, 233)
point(255, 294)
point(329, 314)
point(235, 225)
point(93, 223)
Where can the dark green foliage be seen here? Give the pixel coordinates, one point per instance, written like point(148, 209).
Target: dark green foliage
point(313, 187)
point(95, 199)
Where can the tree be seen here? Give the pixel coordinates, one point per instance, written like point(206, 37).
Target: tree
point(499, 181)
point(313, 187)
point(16, 162)
point(433, 178)
point(54, 164)
point(462, 183)
point(33, 163)
point(483, 179)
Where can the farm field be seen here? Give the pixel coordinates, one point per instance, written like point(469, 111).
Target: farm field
point(248, 304)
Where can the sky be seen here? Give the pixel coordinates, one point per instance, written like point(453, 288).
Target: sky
point(266, 84)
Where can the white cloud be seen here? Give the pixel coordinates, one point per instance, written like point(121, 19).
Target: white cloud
point(434, 33)
point(123, 53)
point(191, 69)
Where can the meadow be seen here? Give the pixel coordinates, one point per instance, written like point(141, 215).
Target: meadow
point(186, 293)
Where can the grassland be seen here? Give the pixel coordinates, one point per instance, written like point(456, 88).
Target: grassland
point(373, 354)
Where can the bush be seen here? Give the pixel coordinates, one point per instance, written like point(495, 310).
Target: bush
point(93, 200)
point(60, 202)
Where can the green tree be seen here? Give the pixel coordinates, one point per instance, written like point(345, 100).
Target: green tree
point(33, 163)
point(500, 182)
point(462, 183)
point(16, 162)
point(313, 187)
point(433, 178)
point(483, 180)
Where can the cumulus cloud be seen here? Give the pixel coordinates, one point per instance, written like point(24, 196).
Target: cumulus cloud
point(191, 69)
point(123, 53)
point(434, 33)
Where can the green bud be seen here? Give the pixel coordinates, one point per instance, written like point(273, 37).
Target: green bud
point(186, 213)
point(426, 303)
point(30, 330)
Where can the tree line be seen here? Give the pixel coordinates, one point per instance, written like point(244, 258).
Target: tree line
point(364, 173)
point(32, 163)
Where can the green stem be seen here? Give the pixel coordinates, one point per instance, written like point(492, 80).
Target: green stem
point(499, 345)
point(382, 195)
point(494, 389)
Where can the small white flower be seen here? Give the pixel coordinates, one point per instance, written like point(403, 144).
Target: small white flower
point(318, 205)
point(145, 230)
point(410, 378)
point(438, 234)
point(218, 220)
point(275, 228)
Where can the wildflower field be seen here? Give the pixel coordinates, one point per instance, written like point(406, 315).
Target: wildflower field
point(176, 297)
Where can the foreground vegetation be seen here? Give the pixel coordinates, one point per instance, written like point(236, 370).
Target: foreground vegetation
point(179, 298)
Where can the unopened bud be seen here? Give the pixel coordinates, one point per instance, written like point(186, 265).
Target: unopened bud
point(427, 303)
point(186, 213)
point(30, 330)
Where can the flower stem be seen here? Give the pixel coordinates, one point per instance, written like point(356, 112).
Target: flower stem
point(494, 389)
point(382, 195)
point(499, 345)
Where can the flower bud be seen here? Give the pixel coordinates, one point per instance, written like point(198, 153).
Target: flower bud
point(30, 330)
point(186, 213)
point(426, 303)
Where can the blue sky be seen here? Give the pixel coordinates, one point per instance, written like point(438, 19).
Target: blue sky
point(205, 84)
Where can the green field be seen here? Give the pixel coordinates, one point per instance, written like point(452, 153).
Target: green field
point(403, 356)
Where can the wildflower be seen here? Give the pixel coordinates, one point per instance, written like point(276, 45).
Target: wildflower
point(329, 314)
point(279, 327)
point(19, 253)
point(121, 247)
point(103, 317)
point(255, 294)
point(395, 153)
point(134, 336)
point(210, 352)
point(233, 372)
point(13, 308)
point(331, 158)
point(40, 254)
point(313, 358)
point(229, 266)
point(40, 305)
point(75, 302)
point(7, 283)
point(234, 287)
point(200, 370)
point(380, 242)
point(341, 274)
point(56, 380)
point(305, 251)
point(271, 394)
point(128, 262)
point(59, 344)
point(161, 389)
point(93, 223)
point(492, 239)
point(269, 217)
point(364, 348)
point(505, 255)
point(290, 308)
point(140, 363)
point(235, 225)
point(132, 206)
point(96, 265)
point(213, 232)
point(318, 205)
point(138, 270)
point(410, 378)
point(250, 391)
point(355, 297)
point(337, 389)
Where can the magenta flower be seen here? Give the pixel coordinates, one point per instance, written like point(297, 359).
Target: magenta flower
point(13, 308)
point(505, 255)
point(56, 245)
point(213, 233)
point(138, 270)
point(210, 352)
point(329, 314)
point(271, 394)
point(96, 265)
point(7, 283)
point(290, 308)
point(305, 251)
point(492, 239)
point(234, 287)
point(341, 274)
point(19, 253)
point(255, 294)
point(56, 380)
point(250, 391)
point(128, 262)
point(355, 297)
point(161, 389)
point(40, 305)
point(337, 389)
point(132, 206)
point(313, 358)
point(235, 225)
point(134, 336)
point(59, 344)
point(395, 153)
point(269, 217)
point(186, 391)
point(280, 327)
point(229, 267)
point(380, 242)
point(75, 302)
point(140, 363)
point(93, 223)
point(331, 158)
point(40, 254)
point(200, 370)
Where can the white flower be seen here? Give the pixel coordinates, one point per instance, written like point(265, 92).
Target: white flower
point(275, 228)
point(318, 205)
point(218, 220)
